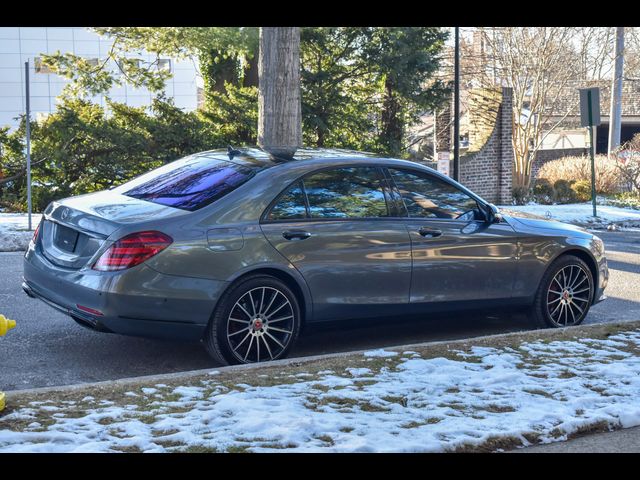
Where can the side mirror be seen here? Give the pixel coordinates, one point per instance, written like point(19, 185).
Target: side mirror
point(492, 214)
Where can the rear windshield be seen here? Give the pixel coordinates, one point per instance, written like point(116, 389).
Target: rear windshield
point(189, 183)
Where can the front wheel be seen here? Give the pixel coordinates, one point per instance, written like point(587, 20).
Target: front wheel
point(257, 320)
point(565, 294)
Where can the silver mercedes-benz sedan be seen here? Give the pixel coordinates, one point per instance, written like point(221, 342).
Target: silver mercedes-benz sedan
point(241, 250)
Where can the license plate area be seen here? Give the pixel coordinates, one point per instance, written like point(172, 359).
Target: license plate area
point(66, 238)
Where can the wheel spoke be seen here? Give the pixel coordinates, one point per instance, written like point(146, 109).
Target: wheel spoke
point(253, 305)
point(580, 282)
point(557, 293)
point(580, 291)
point(555, 279)
point(275, 294)
point(242, 341)
point(572, 314)
point(244, 310)
point(555, 310)
point(266, 344)
point(579, 309)
point(581, 299)
point(258, 348)
point(280, 330)
point(239, 331)
point(249, 349)
point(277, 309)
point(275, 340)
point(280, 319)
point(579, 274)
point(554, 301)
point(262, 300)
point(570, 276)
point(237, 320)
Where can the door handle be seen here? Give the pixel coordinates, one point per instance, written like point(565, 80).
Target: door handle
point(429, 232)
point(293, 234)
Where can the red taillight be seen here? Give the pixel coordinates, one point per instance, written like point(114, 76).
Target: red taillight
point(35, 234)
point(92, 311)
point(132, 250)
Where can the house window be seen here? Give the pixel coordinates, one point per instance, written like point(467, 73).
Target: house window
point(40, 67)
point(164, 64)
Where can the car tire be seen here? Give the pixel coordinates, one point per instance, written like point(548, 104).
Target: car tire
point(257, 319)
point(564, 295)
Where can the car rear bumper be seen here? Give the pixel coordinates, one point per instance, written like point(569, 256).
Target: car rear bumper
point(139, 301)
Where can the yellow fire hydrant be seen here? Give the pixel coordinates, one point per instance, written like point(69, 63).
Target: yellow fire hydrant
point(5, 326)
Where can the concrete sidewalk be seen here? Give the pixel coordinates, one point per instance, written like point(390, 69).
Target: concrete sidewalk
point(619, 441)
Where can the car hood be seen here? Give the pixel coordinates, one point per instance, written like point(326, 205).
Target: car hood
point(537, 222)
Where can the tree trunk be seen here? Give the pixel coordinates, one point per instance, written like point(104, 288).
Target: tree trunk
point(251, 78)
point(392, 129)
point(279, 107)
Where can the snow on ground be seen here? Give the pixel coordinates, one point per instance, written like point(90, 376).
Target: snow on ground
point(14, 232)
point(581, 213)
point(535, 392)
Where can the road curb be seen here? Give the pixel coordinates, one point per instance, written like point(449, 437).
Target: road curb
point(163, 377)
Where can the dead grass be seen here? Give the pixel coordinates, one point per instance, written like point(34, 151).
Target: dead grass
point(72, 403)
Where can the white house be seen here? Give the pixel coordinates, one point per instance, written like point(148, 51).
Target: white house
point(19, 44)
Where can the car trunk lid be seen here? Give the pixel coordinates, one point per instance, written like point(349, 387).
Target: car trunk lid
point(74, 229)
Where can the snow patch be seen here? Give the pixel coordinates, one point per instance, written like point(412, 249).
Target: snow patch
point(581, 213)
point(380, 353)
point(14, 231)
point(543, 390)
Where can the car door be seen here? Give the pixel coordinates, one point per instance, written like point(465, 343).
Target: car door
point(457, 255)
point(335, 226)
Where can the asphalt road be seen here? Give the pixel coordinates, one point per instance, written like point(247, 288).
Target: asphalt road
point(619, 441)
point(49, 349)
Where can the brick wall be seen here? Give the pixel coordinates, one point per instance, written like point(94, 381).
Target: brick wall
point(488, 169)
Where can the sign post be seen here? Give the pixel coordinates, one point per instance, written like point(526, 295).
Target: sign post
point(590, 117)
point(444, 163)
point(28, 132)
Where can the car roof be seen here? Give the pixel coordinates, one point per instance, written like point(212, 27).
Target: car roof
point(260, 158)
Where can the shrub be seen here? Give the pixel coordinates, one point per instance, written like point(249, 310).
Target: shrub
point(625, 200)
point(574, 169)
point(628, 163)
point(10, 203)
point(520, 195)
point(563, 192)
point(582, 190)
point(543, 191)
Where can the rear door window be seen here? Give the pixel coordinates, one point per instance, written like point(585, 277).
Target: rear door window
point(290, 205)
point(190, 183)
point(351, 192)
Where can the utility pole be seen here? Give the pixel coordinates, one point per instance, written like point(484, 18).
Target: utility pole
point(616, 94)
point(456, 108)
point(28, 132)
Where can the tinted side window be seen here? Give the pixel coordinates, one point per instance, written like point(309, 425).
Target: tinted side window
point(426, 196)
point(353, 192)
point(290, 205)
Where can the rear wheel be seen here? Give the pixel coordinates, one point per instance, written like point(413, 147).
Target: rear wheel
point(257, 320)
point(565, 294)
